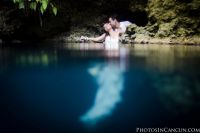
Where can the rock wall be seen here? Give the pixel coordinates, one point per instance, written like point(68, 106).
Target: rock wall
point(169, 21)
point(174, 17)
point(8, 25)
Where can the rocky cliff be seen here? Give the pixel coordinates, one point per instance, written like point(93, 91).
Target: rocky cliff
point(170, 21)
point(155, 21)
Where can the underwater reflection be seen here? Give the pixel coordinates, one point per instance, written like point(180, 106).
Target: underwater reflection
point(164, 58)
point(110, 79)
point(36, 59)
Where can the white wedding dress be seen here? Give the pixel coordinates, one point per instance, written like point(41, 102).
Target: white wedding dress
point(111, 43)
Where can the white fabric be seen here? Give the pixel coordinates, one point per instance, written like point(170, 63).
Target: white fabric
point(124, 25)
point(111, 43)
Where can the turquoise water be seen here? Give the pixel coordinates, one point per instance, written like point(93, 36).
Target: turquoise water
point(83, 88)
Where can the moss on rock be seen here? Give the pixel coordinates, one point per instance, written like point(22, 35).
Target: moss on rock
point(179, 18)
point(170, 21)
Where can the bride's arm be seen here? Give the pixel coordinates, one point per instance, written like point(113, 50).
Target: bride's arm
point(95, 39)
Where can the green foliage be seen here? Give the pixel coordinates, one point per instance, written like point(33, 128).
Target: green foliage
point(37, 5)
point(55, 11)
point(33, 6)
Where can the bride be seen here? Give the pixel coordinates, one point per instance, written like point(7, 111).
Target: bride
point(110, 37)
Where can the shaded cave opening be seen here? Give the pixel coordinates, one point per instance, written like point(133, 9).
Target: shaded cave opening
point(140, 18)
point(73, 14)
point(122, 9)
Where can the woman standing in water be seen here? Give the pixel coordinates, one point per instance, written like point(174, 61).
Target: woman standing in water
point(111, 37)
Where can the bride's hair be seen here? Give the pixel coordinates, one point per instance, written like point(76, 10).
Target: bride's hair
point(104, 28)
point(114, 17)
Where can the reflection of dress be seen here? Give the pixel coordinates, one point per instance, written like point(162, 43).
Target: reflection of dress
point(111, 43)
point(109, 78)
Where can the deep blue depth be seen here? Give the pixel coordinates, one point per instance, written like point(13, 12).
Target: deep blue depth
point(51, 88)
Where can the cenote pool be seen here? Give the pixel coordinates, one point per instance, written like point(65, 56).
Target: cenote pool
point(81, 88)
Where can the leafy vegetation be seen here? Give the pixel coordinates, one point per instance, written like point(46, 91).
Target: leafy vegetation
point(36, 5)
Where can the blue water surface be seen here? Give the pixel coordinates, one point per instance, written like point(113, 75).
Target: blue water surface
point(61, 88)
